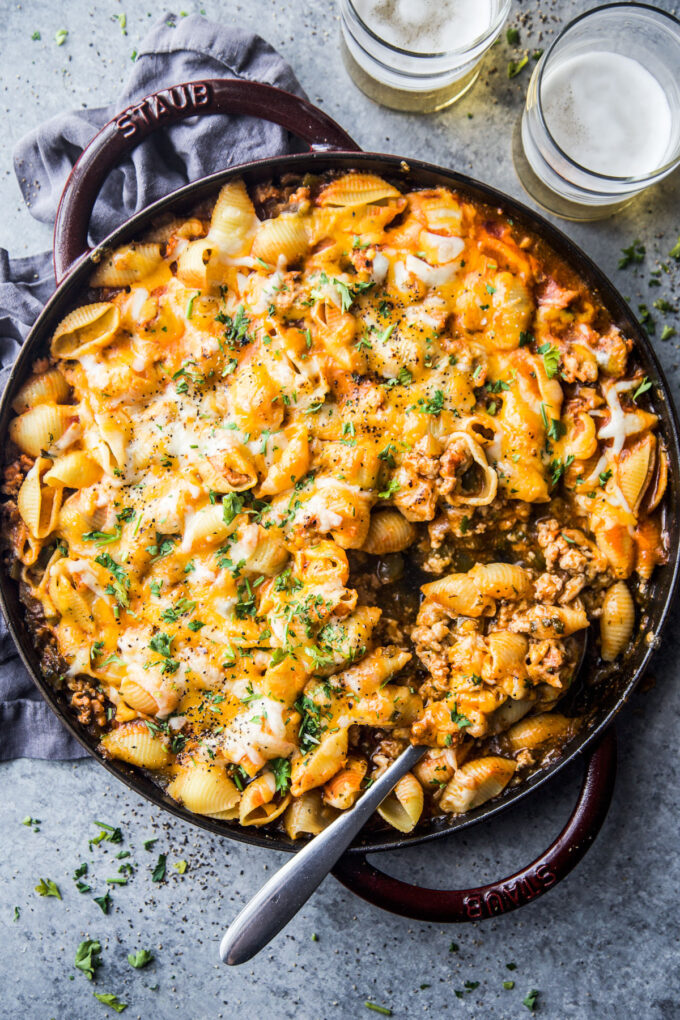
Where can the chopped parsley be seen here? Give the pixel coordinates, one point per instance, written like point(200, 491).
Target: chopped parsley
point(642, 388)
point(530, 1001)
point(461, 721)
point(232, 505)
point(236, 332)
point(158, 873)
point(88, 957)
point(121, 582)
point(434, 405)
point(378, 1009)
point(525, 339)
point(310, 723)
point(515, 66)
point(551, 359)
point(140, 959)
point(281, 769)
point(109, 999)
point(46, 887)
point(635, 252)
point(103, 902)
point(392, 487)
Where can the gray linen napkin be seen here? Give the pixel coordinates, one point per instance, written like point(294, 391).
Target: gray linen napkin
point(173, 51)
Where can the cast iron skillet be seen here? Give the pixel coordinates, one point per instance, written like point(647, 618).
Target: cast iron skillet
point(332, 148)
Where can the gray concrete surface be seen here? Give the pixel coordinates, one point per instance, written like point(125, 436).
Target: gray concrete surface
point(604, 944)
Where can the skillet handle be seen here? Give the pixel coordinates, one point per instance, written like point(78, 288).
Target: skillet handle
point(163, 108)
point(420, 904)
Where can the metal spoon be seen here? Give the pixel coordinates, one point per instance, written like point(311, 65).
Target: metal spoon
point(281, 897)
point(285, 892)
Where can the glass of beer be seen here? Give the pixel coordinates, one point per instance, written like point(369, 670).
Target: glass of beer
point(602, 115)
point(418, 55)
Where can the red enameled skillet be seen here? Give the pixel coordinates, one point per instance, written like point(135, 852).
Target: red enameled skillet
point(331, 148)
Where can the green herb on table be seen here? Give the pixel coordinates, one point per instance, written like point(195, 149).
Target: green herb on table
point(181, 866)
point(667, 332)
point(634, 253)
point(454, 947)
point(140, 959)
point(17, 914)
point(103, 902)
point(530, 1001)
point(46, 887)
point(88, 957)
point(108, 834)
point(148, 843)
point(515, 66)
point(675, 250)
point(512, 35)
point(32, 822)
point(511, 966)
point(109, 999)
point(36, 37)
point(61, 36)
point(508, 985)
point(378, 1009)
point(158, 873)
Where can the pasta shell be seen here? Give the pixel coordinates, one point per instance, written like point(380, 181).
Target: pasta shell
point(258, 806)
point(75, 470)
point(307, 815)
point(134, 743)
point(285, 236)
point(231, 470)
point(617, 620)
point(196, 264)
point(436, 767)
point(345, 786)
point(323, 561)
point(40, 427)
point(404, 806)
point(501, 580)
point(484, 478)
point(459, 594)
point(206, 789)
point(538, 729)
point(581, 438)
point(85, 330)
point(127, 265)
point(506, 655)
point(357, 189)
point(476, 782)
point(73, 607)
point(39, 505)
point(635, 470)
point(317, 767)
point(138, 698)
point(45, 388)
point(648, 546)
point(657, 487)
point(389, 532)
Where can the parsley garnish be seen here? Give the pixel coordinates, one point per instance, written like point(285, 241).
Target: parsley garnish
point(525, 339)
point(87, 957)
point(392, 487)
point(461, 721)
point(633, 253)
point(46, 887)
point(551, 359)
point(158, 873)
point(378, 1009)
point(515, 66)
point(232, 505)
point(104, 902)
point(109, 999)
point(530, 1001)
point(236, 333)
point(140, 959)
point(281, 769)
point(642, 388)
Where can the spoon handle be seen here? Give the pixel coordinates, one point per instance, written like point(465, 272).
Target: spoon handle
point(282, 896)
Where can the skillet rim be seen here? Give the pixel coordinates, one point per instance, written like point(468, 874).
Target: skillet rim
point(415, 172)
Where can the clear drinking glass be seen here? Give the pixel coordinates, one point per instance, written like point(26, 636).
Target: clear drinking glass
point(418, 55)
point(602, 115)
